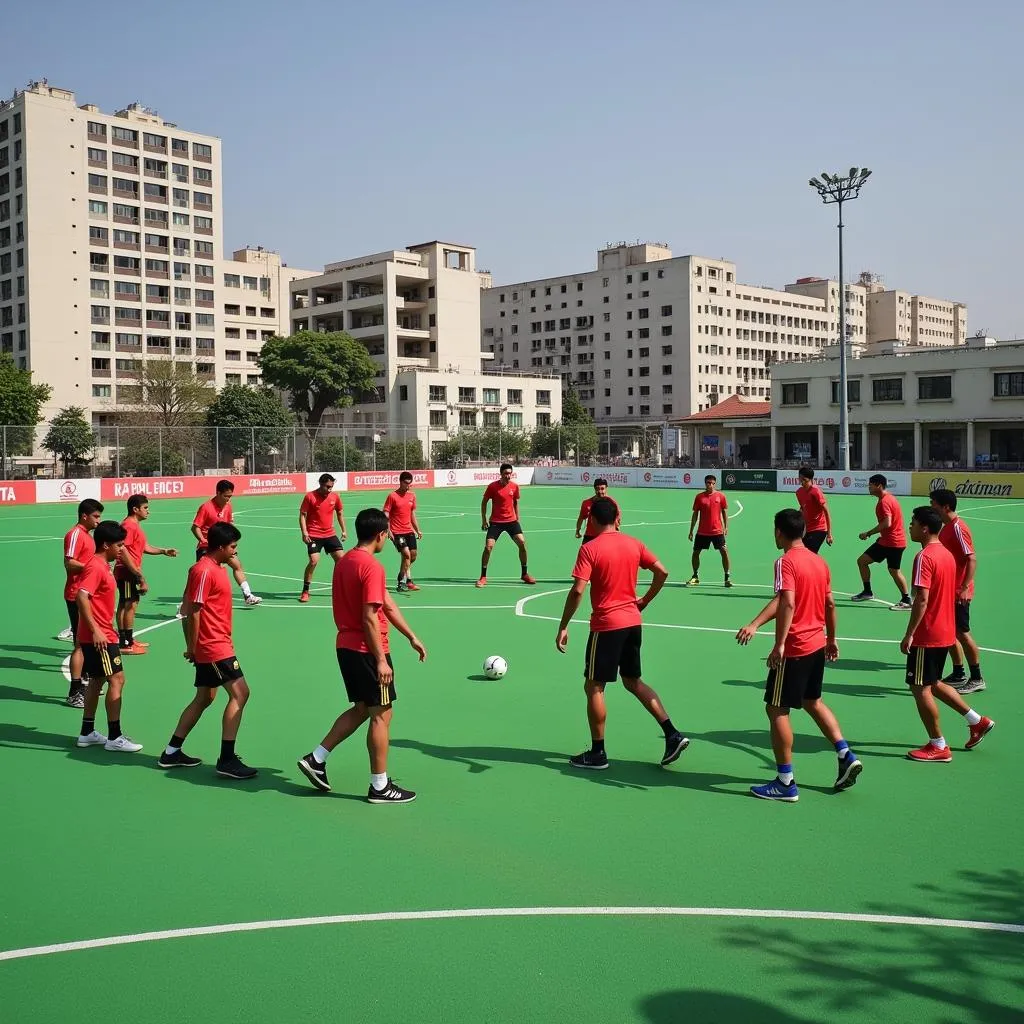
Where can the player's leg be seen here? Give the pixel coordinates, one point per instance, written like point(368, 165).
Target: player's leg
point(965, 646)
point(784, 690)
point(600, 666)
point(76, 686)
point(88, 735)
point(229, 764)
point(382, 790)
point(850, 766)
point(924, 670)
point(173, 755)
point(629, 667)
point(413, 555)
point(243, 583)
point(978, 725)
point(313, 552)
point(404, 561)
point(520, 542)
point(895, 560)
point(723, 550)
point(116, 739)
point(492, 537)
point(699, 545)
point(128, 600)
point(864, 562)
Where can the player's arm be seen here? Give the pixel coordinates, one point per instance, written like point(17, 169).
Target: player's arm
point(580, 519)
point(969, 571)
point(783, 622)
point(884, 522)
point(660, 576)
point(371, 633)
point(917, 610)
point(831, 647)
point(693, 522)
point(132, 566)
point(828, 520)
point(84, 602)
point(483, 511)
point(190, 626)
point(395, 617)
point(415, 524)
point(767, 613)
point(197, 533)
point(152, 549)
point(340, 513)
point(725, 522)
point(572, 602)
point(303, 525)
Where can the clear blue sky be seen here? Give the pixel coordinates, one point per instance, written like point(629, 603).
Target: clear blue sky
point(539, 131)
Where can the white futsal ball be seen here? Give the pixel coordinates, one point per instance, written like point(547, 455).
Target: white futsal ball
point(495, 667)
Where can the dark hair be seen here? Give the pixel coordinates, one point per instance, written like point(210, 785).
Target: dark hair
point(221, 535)
point(600, 482)
point(879, 480)
point(137, 501)
point(109, 532)
point(370, 523)
point(406, 475)
point(504, 466)
point(223, 486)
point(806, 473)
point(711, 476)
point(88, 506)
point(944, 498)
point(604, 512)
point(790, 523)
point(927, 517)
point(326, 478)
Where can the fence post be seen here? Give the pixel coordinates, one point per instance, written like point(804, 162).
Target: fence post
point(160, 447)
point(344, 451)
point(608, 443)
point(499, 444)
point(117, 451)
point(3, 464)
point(253, 448)
point(295, 447)
point(216, 431)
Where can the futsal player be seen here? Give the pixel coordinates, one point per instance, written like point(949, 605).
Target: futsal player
point(218, 510)
point(955, 536)
point(930, 633)
point(316, 524)
point(592, 530)
point(710, 509)
point(804, 612)
point(503, 496)
point(889, 548)
point(814, 509)
point(209, 646)
point(404, 529)
point(78, 550)
point(362, 610)
point(98, 640)
point(610, 563)
point(131, 584)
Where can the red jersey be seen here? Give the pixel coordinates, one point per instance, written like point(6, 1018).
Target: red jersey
point(208, 515)
point(611, 563)
point(503, 498)
point(807, 578)
point(935, 571)
point(956, 539)
point(399, 509)
point(79, 545)
point(592, 529)
point(893, 536)
point(320, 513)
point(710, 506)
point(209, 588)
point(812, 508)
point(358, 581)
point(97, 581)
point(134, 544)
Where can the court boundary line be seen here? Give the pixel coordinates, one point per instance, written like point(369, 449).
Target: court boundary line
point(505, 912)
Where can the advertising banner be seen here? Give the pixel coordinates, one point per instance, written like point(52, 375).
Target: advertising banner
point(340, 481)
point(666, 478)
point(387, 479)
point(749, 480)
point(523, 475)
point(836, 482)
point(709, 443)
point(70, 491)
point(17, 492)
point(970, 485)
point(114, 488)
point(579, 476)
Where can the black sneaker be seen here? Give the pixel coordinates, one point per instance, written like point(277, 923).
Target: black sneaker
point(235, 768)
point(674, 746)
point(849, 769)
point(728, 583)
point(390, 794)
point(314, 771)
point(864, 595)
point(76, 698)
point(179, 759)
point(401, 588)
point(955, 678)
point(590, 759)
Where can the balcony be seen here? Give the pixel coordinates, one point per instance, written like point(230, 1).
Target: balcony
point(412, 332)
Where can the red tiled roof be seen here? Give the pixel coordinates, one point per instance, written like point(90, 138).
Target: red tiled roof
point(734, 407)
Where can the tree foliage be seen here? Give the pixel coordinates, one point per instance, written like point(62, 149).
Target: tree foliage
point(70, 436)
point(400, 454)
point(249, 417)
point(334, 455)
point(575, 437)
point(488, 444)
point(20, 403)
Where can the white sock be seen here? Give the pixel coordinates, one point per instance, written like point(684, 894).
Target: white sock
point(379, 781)
point(973, 718)
point(246, 589)
point(321, 754)
point(171, 750)
point(786, 778)
point(939, 743)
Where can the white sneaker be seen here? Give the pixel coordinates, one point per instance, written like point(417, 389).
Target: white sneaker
point(123, 745)
point(253, 600)
point(66, 635)
point(94, 739)
point(179, 614)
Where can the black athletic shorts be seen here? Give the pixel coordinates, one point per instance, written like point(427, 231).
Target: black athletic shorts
point(72, 607)
point(963, 616)
point(703, 541)
point(211, 674)
point(200, 552)
point(101, 664)
point(893, 557)
point(814, 540)
point(613, 653)
point(925, 665)
point(495, 530)
point(404, 540)
point(795, 680)
point(128, 591)
point(359, 672)
point(328, 544)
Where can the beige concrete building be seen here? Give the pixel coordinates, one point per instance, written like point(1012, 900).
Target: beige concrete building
point(918, 321)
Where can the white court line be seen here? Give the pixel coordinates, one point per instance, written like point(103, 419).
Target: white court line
point(988, 508)
point(411, 605)
point(26, 540)
point(507, 912)
point(1011, 522)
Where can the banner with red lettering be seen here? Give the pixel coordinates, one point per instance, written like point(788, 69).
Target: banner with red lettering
point(387, 480)
point(200, 486)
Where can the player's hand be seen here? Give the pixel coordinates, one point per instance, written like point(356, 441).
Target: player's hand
point(776, 656)
point(189, 657)
point(171, 552)
point(831, 650)
point(690, 537)
point(641, 603)
point(562, 640)
point(577, 534)
point(746, 634)
point(963, 596)
point(863, 536)
point(483, 525)
point(419, 536)
point(414, 643)
point(143, 585)
point(99, 641)
point(385, 673)
point(828, 539)
point(305, 538)
point(905, 644)
point(344, 534)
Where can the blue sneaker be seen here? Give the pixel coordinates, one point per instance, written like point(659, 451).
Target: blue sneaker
point(849, 769)
point(776, 790)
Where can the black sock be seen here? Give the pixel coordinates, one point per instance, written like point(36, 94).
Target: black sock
point(905, 597)
point(523, 564)
point(129, 635)
point(114, 729)
point(305, 586)
point(77, 686)
point(867, 588)
point(483, 572)
point(122, 638)
point(597, 746)
point(177, 741)
point(667, 727)
point(88, 726)
point(227, 749)
point(975, 671)
point(958, 672)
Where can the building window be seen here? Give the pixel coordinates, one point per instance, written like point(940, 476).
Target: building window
point(101, 391)
point(934, 387)
point(438, 417)
point(852, 391)
point(889, 389)
point(515, 419)
point(437, 393)
point(514, 396)
point(543, 397)
point(467, 395)
point(492, 396)
point(467, 418)
point(1008, 385)
point(794, 394)
point(403, 392)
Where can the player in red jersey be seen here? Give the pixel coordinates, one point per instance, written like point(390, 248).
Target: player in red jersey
point(98, 639)
point(955, 536)
point(814, 509)
point(403, 528)
point(362, 610)
point(503, 494)
point(710, 507)
point(930, 633)
point(593, 529)
point(131, 584)
point(889, 548)
point(218, 510)
point(610, 564)
point(805, 638)
point(209, 646)
point(316, 524)
point(78, 550)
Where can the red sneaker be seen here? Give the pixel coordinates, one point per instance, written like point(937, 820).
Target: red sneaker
point(409, 585)
point(136, 648)
point(304, 597)
point(979, 732)
point(482, 582)
point(930, 753)
point(528, 579)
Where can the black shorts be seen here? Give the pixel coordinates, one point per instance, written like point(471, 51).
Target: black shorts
point(200, 552)
point(925, 665)
point(128, 591)
point(359, 672)
point(495, 530)
point(328, 544)
point(613, 653)
point(211, 674)
point(703, 541)
point(72, 607)
point(795, 680)
point(101, 664)
point(404, 540)
point(814, 540)
point(893, 557)
point(963, 616)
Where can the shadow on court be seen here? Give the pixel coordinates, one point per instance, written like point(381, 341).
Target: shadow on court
point(718, 1007)
point(19, 693)
point(46, 652)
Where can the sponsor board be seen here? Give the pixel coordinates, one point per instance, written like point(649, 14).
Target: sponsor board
point(836, 482)
point(114, 488)
point(72, 491)
point(749, 480)
point(387, 480)
point(577, 476)
point(970, 485)
point(18, 492)
point(340, 481)
point(665, 478)
point(480, 477)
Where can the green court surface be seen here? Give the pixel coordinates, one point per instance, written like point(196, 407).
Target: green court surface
point(636, 894)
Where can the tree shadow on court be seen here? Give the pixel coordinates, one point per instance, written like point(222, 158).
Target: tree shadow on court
point(19, 693)
point(45, 652)
point(869, 665)
point(833, 686)
point(24, 665)
point(470, 581)
point(682, 1005)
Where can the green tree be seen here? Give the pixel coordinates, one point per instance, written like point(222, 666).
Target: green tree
point(334, 455)
point(20, 403)
point(249, 417)
point(400, 454)
point(575, 437)
point(70, 436)
point(143, 456)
